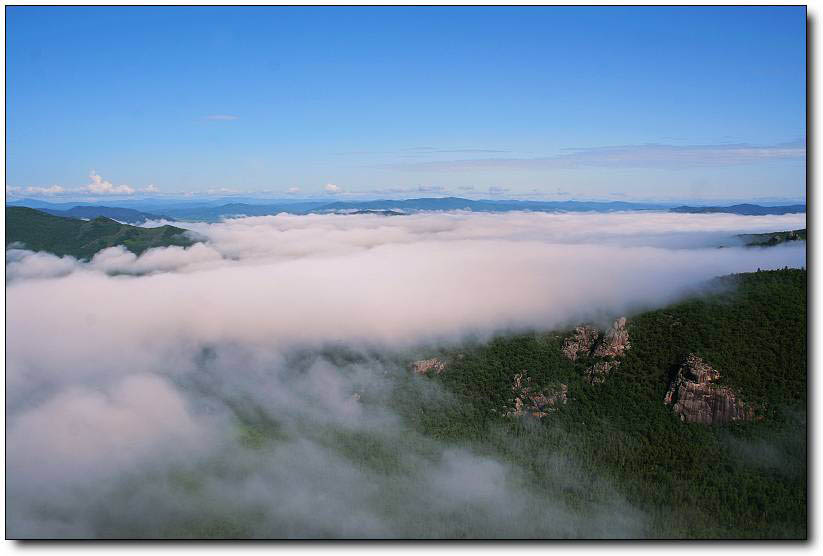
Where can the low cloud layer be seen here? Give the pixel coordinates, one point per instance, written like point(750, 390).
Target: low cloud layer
point(139, 388)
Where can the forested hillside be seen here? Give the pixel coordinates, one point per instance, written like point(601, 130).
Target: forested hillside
point(774, 238)
point(39, 231)
point(741, 480)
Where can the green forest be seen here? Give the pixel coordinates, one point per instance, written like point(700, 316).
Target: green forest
point(614, 447)
point(39, 231)
point(742, 480)
point(773, 238)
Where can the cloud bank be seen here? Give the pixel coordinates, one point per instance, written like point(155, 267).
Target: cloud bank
point(254, 384)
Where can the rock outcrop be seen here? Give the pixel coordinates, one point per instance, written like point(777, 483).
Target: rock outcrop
point(537, 403)
point(581, 342)
point(597, 373)
point(424, 366)
point(615, 342)
point(696, 399)
point(606, 349)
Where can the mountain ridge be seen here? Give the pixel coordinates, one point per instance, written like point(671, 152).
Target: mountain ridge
point(214, 210)
point(40, 231)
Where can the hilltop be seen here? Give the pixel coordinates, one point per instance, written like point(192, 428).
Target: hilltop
point(39, 231)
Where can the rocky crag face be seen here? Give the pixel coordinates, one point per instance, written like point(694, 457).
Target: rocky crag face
point(424, 366)
point(696, 399)
point(606, 349)
point(530, 401)
point(615, 342)
point(581, 342)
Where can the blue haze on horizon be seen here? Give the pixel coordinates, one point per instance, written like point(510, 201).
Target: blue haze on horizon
point(554, 103)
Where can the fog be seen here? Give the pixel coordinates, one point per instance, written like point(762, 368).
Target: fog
point(201, 391)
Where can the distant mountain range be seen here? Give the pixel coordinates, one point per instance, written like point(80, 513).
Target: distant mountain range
point(745, 209)
point(126, 215)
point(131, 211)
point(39, 231)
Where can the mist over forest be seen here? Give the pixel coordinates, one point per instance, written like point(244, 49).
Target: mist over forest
point(257, 382)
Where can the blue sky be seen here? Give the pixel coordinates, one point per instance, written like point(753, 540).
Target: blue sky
point(552, 102)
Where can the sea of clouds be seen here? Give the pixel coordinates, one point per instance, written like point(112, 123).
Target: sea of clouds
point(133, 383)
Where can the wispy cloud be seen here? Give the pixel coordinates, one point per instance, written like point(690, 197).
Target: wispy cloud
point(332, 189)
point(222, 117)
point(32, 190)
point(466, 150)
point(648, 155)
point(97, 186)
point(223, 191)
point(422, 151)
point(409, 190)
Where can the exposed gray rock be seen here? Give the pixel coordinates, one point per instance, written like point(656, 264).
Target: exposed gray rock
point(696, 399)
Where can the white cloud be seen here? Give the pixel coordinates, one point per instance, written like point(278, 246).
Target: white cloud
point(99, 186)
point(21, 263)
point(33, 190)
point(52, 190)
point(223, 191)
point(332, 189)
point(128, 396)
point(293, 190)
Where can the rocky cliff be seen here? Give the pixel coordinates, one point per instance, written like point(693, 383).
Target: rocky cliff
point(581, 343)
point(606, 350)
point(696, 399)
point(615, 342)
